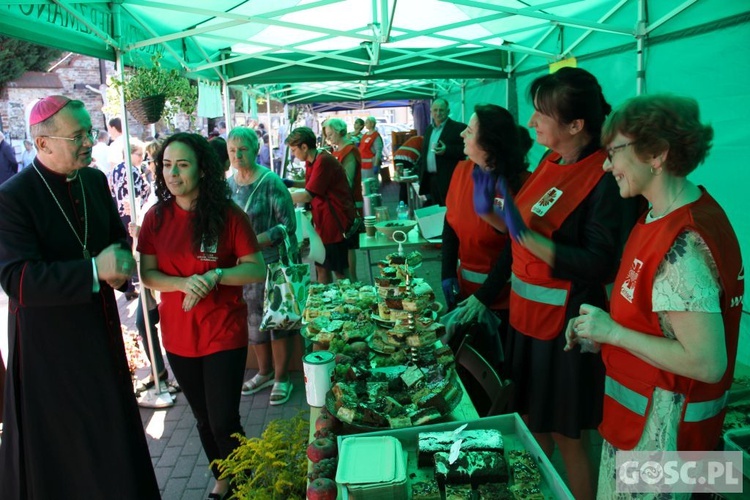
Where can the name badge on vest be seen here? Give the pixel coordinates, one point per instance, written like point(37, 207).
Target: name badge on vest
point(542, 206)
point(499, 203)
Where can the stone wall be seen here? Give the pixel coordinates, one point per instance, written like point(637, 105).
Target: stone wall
point(80, 79)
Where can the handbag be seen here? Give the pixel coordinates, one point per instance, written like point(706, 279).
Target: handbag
point(285, 295)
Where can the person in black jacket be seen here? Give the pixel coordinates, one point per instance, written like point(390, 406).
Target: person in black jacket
point(441, 150)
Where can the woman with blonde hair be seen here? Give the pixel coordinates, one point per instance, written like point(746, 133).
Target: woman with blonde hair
point(265, 199)
point(346, 152)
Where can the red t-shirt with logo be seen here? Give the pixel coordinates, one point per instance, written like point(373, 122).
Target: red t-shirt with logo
point(219, 321)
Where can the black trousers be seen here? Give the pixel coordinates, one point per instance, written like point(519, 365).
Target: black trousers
point(212, 385)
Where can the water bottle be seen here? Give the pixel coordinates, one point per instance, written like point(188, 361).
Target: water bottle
point(403, 211)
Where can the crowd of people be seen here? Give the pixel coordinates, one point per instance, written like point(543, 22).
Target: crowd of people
point(603, 283)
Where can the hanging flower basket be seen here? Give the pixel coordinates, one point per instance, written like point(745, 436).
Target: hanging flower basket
point(147, 110)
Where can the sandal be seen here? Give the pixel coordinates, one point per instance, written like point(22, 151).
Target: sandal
point(280, 393)
point(257, 383)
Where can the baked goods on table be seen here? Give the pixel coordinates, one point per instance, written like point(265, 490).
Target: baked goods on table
point(339, 310)
point(392, 397)
point(429, 443)
point(470, 467)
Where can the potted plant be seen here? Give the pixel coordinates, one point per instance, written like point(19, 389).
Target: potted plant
point(273, 466)
point(147, 90)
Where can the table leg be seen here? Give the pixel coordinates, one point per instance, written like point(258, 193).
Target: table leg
point(369, 266)
point(411, 200)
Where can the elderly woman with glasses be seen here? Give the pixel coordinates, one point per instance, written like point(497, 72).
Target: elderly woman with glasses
point(265, 199)
point(670, 340)
point(346, 152)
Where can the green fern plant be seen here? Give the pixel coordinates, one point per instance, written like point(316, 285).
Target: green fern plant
point(273, 466)
point(150, 81)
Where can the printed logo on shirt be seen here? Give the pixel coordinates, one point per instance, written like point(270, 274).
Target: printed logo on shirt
point(208, 253)
point(628, 286)
point(542, 206)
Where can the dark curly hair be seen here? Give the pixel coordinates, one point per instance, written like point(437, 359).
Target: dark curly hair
point(663, 122)
point(499, 138)
point(571, 94)
point(213, 196)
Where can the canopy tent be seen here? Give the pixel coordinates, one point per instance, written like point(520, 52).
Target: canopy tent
point(318, 51)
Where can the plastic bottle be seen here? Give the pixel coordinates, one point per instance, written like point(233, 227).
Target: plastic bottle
point(403, 211)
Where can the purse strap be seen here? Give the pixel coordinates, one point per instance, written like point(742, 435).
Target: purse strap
point(257, 185)
point(285, 248)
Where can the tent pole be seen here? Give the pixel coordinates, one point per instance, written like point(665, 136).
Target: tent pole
point(463, 101)
point(268, 114)
point(225, 91)
point(640, 75)
point(162, 400)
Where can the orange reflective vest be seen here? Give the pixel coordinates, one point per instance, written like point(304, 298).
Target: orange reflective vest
point(630, 381)
point(537, 299)
point(365, 149)
point(356, 186)
point(480, 245)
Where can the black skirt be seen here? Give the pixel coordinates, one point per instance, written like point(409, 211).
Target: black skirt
point(560, 391)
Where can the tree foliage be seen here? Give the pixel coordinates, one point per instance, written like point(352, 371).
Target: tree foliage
point(18, 57)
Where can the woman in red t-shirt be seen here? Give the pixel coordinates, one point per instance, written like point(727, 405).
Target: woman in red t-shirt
point(327, 190)
point(198, 249)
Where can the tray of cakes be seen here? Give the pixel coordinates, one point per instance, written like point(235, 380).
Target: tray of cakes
point(340, 310)
point(489, 458)
point(400, 390)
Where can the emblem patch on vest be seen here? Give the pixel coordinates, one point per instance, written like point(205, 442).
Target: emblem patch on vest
point(628, 286)
point(545, 202)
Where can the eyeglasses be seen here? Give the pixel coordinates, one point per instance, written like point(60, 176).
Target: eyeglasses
point(614, 149)
point(91, 135)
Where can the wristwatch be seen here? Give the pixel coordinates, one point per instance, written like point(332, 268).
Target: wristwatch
point(219, 274)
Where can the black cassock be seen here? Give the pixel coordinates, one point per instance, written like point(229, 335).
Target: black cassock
point(71, 424)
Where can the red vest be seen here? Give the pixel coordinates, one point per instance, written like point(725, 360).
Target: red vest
point(340, 154)
point(537, 300)
point(479, 244)
point(630, 380)
point(365, 148)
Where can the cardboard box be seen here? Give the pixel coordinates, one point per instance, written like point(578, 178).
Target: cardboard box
point(431, 220)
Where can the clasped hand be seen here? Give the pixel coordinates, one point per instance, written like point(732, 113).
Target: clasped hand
point(115, 265)
point(197, 287)
point(590, 330)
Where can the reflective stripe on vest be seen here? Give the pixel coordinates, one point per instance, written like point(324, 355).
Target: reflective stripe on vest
point(366, 160)
point(638, 403)
point(473, 276)
point(537, 293)
point(703, 410)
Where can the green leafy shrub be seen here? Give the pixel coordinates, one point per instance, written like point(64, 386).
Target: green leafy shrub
point(273, 466)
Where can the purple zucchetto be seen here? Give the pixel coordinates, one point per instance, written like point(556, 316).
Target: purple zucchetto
point(47, 107)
